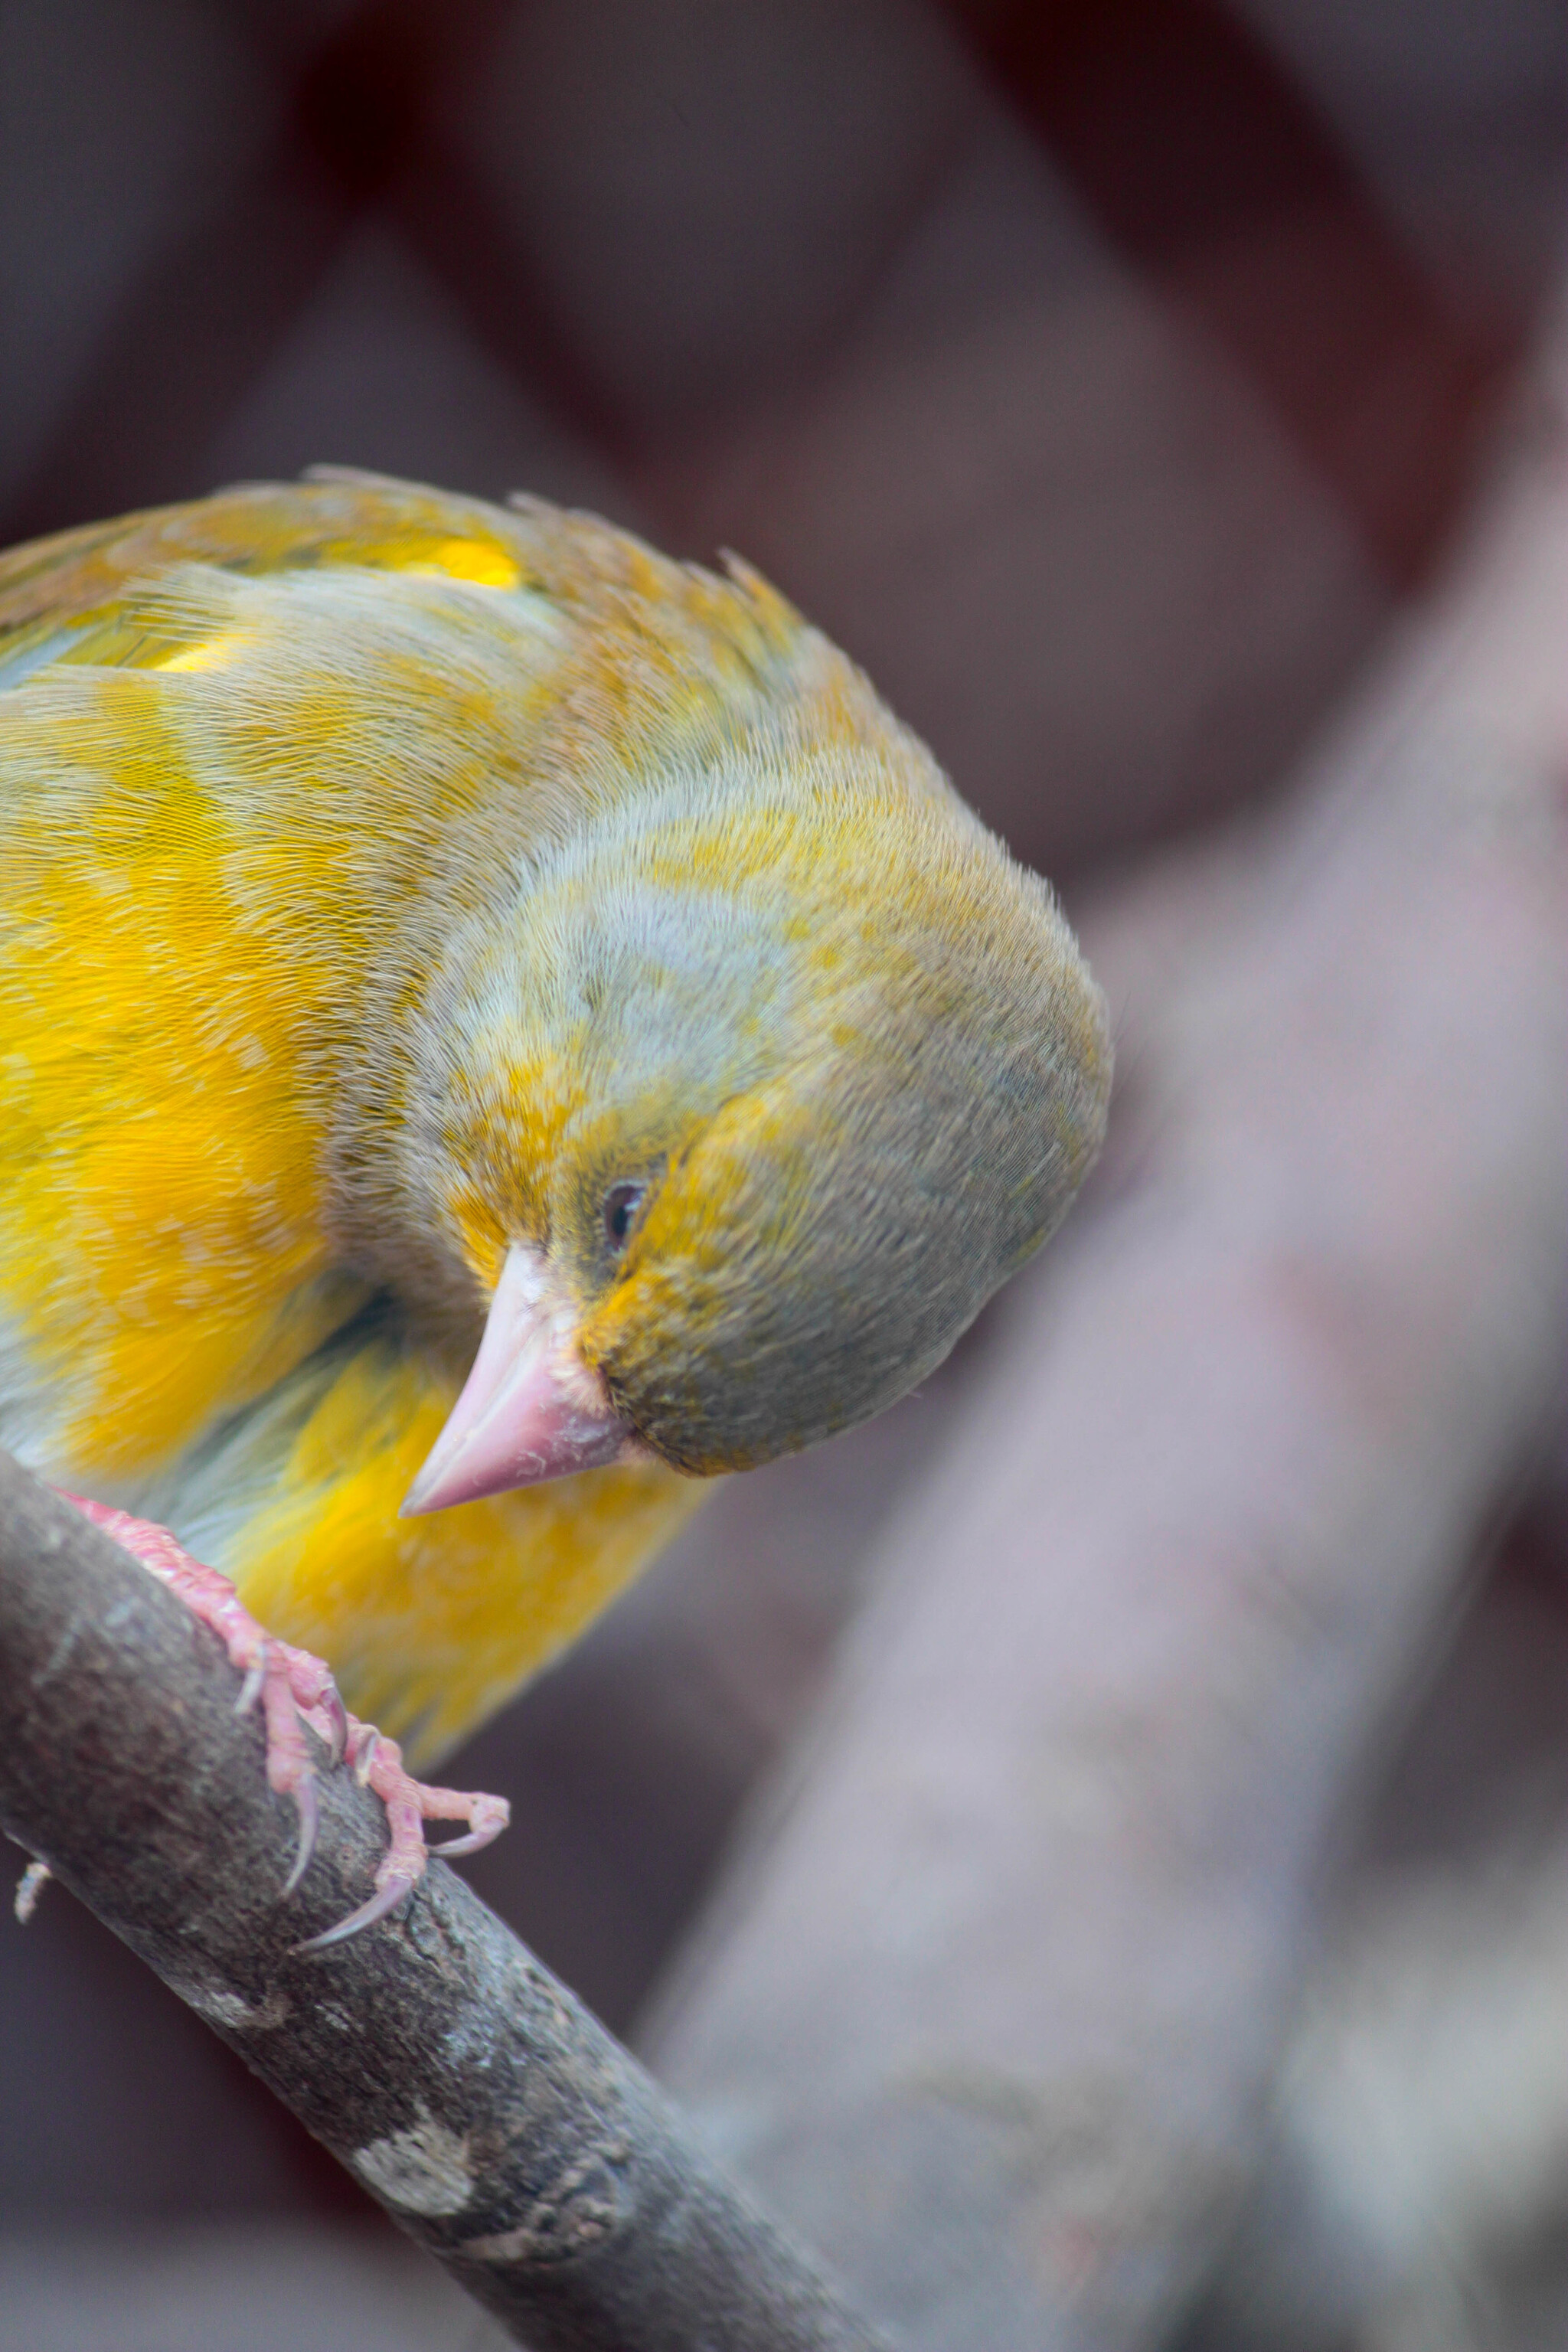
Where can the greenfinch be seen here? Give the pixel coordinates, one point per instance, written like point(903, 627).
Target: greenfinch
point(498, 1028)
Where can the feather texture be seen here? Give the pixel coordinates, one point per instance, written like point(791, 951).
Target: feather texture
point(385, 873)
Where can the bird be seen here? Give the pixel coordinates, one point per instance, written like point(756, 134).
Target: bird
point(499, 1028)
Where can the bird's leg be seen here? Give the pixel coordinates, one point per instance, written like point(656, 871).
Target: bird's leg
point(297, 1688)
point(290, 1684)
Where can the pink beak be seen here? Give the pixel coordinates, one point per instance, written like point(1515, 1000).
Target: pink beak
point(527, 1411)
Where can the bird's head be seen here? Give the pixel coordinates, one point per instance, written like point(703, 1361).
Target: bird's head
point(741, 1113)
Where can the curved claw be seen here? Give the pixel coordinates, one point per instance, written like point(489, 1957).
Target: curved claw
point(309, 1805)
point(337, 1716)
point(250, 1688)
point(386, 1899)
point(475, 1842)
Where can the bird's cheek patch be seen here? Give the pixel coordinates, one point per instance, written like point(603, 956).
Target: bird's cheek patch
point(602, 1334)
point(482, 1236)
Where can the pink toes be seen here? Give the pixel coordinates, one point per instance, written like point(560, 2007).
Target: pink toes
point(294, 1689)
point(480, 1836)
point(291, 1685)
point(409, 1804)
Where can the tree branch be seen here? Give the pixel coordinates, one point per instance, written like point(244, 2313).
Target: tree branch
point(494, 2119)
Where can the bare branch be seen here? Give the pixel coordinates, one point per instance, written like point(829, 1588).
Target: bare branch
point(466, 2088)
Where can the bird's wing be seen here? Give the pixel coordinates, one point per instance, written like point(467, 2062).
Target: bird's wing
point(162, 1251)
point(73, 595)
point(163, 1254)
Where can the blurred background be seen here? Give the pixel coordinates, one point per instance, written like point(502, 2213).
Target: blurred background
point(1107, 377)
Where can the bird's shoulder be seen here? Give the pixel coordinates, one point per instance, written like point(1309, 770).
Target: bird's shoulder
point(79, 594)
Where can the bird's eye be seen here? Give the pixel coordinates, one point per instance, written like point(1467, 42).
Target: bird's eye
point(622, 1202)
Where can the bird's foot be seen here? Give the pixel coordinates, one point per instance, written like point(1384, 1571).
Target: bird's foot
point(410, 1803)
point(297, 1688)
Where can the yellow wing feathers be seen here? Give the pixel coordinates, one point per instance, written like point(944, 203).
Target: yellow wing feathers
point(429, 1623)
point(189, 924)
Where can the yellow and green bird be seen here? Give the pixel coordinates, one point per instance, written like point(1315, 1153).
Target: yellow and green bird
point(497, 1027)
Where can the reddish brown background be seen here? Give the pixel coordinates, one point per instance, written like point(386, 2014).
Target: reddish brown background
point(1103, 375)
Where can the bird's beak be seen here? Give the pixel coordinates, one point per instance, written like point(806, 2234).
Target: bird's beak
point(528, 1412)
